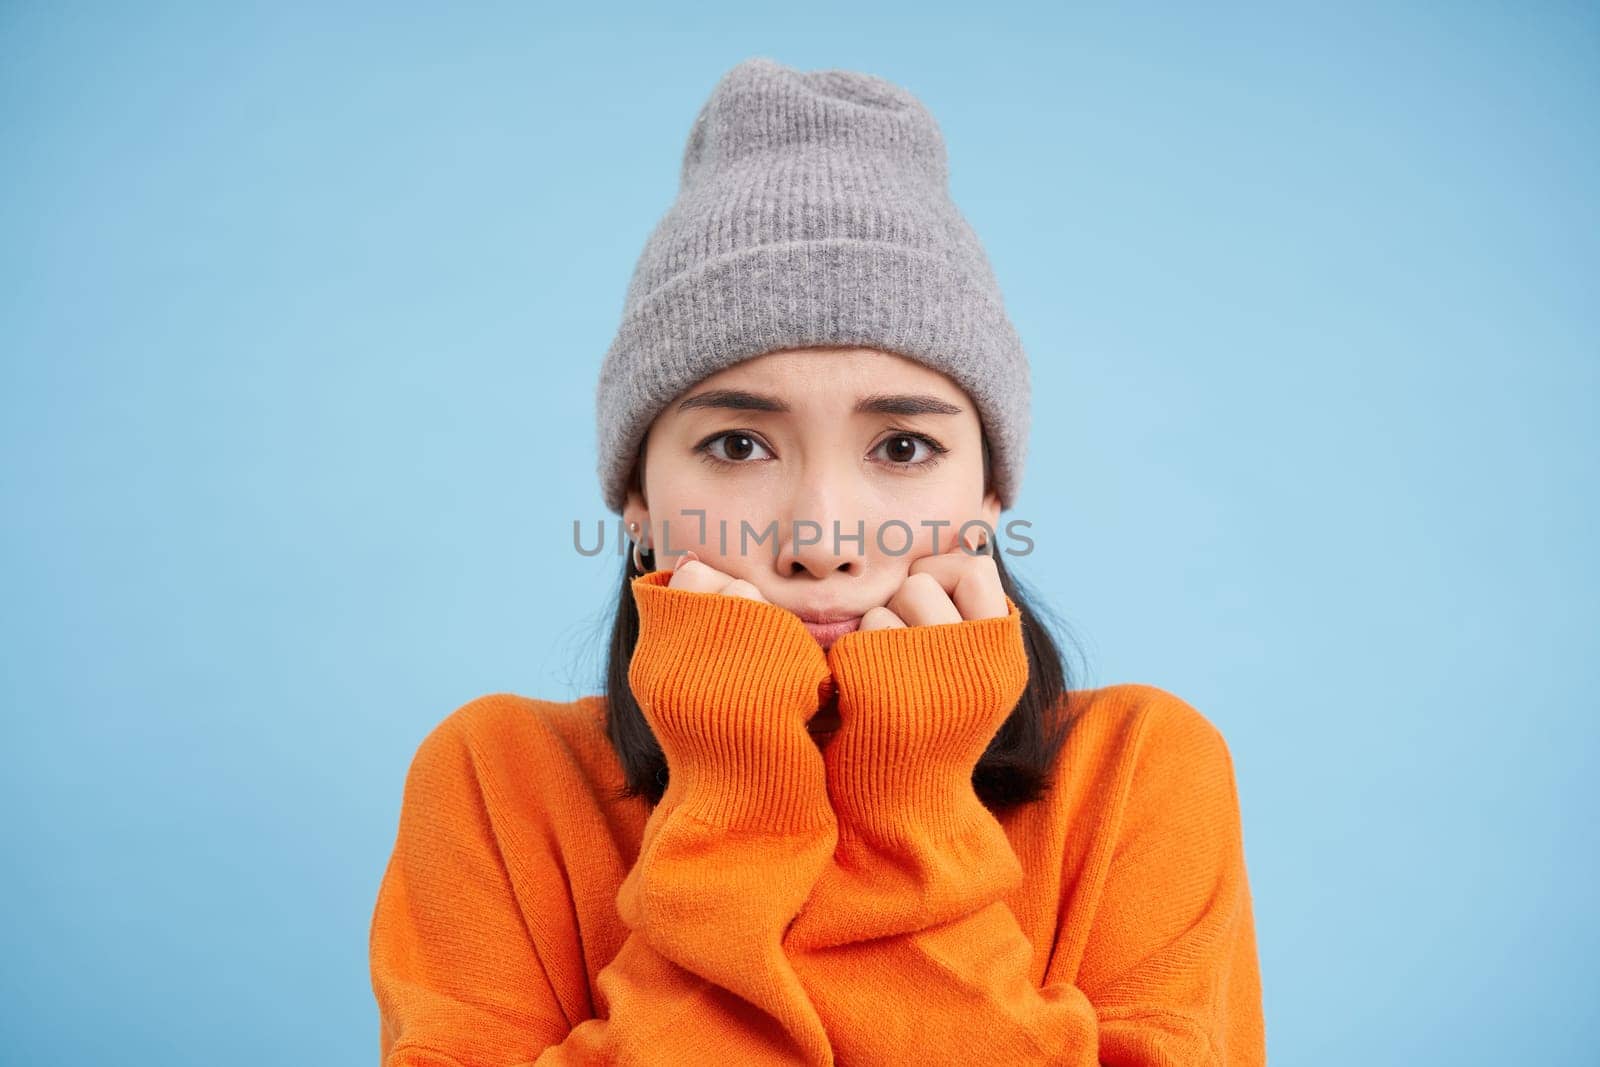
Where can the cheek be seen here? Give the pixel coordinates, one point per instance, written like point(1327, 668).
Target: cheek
point(938, 529)
point(687, 505)
point(935, 514)
point(710, 528)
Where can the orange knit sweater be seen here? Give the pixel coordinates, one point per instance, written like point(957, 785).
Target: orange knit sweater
point(795, 900)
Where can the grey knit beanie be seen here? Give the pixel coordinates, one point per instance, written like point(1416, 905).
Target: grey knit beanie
point(813, 209)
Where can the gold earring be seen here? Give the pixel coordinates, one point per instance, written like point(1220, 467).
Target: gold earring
point(638, 564)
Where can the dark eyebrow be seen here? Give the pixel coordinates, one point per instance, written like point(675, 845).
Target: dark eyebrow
point(876, 404)
point(733, 400)
point(905, 404)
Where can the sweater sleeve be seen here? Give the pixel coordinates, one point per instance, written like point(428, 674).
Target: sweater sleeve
point(907, 946)
point(726, 861)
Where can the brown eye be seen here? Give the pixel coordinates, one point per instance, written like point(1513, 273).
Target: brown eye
point(733, 448)
point(901, 452)
point(902, 449)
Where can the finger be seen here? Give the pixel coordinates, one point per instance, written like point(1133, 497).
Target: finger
point(880, 618)
point(921, 602)
point(698, 577)
point(740, 587)
point(971, 582)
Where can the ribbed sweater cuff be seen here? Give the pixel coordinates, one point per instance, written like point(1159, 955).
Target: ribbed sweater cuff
point(727, 685)
point(917, 706)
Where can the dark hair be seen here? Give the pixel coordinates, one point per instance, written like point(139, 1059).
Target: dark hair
point(1016, 768)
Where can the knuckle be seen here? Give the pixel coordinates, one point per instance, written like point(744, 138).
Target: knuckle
point(740, 587)
point(879, 617)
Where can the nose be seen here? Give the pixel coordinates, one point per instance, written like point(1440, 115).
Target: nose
point(824, 531)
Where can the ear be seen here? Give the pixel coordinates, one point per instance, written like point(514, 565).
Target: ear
point(636, 517)
point(989, 515)
point(991, 512)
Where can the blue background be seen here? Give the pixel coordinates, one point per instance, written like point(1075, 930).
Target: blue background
point(302, 312)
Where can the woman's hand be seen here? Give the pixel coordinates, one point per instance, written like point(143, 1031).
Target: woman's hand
point(922, 692)
point(689, 573)
point(946, 587)
point(726, 684)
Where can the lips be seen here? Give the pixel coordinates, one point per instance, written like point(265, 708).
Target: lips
point(827, 633)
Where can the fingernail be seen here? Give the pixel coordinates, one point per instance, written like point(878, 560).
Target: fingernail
point(685, 558)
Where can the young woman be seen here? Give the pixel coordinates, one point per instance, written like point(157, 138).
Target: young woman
point(837, 803)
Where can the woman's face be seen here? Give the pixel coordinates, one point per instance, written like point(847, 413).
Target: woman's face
point(798, 445)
